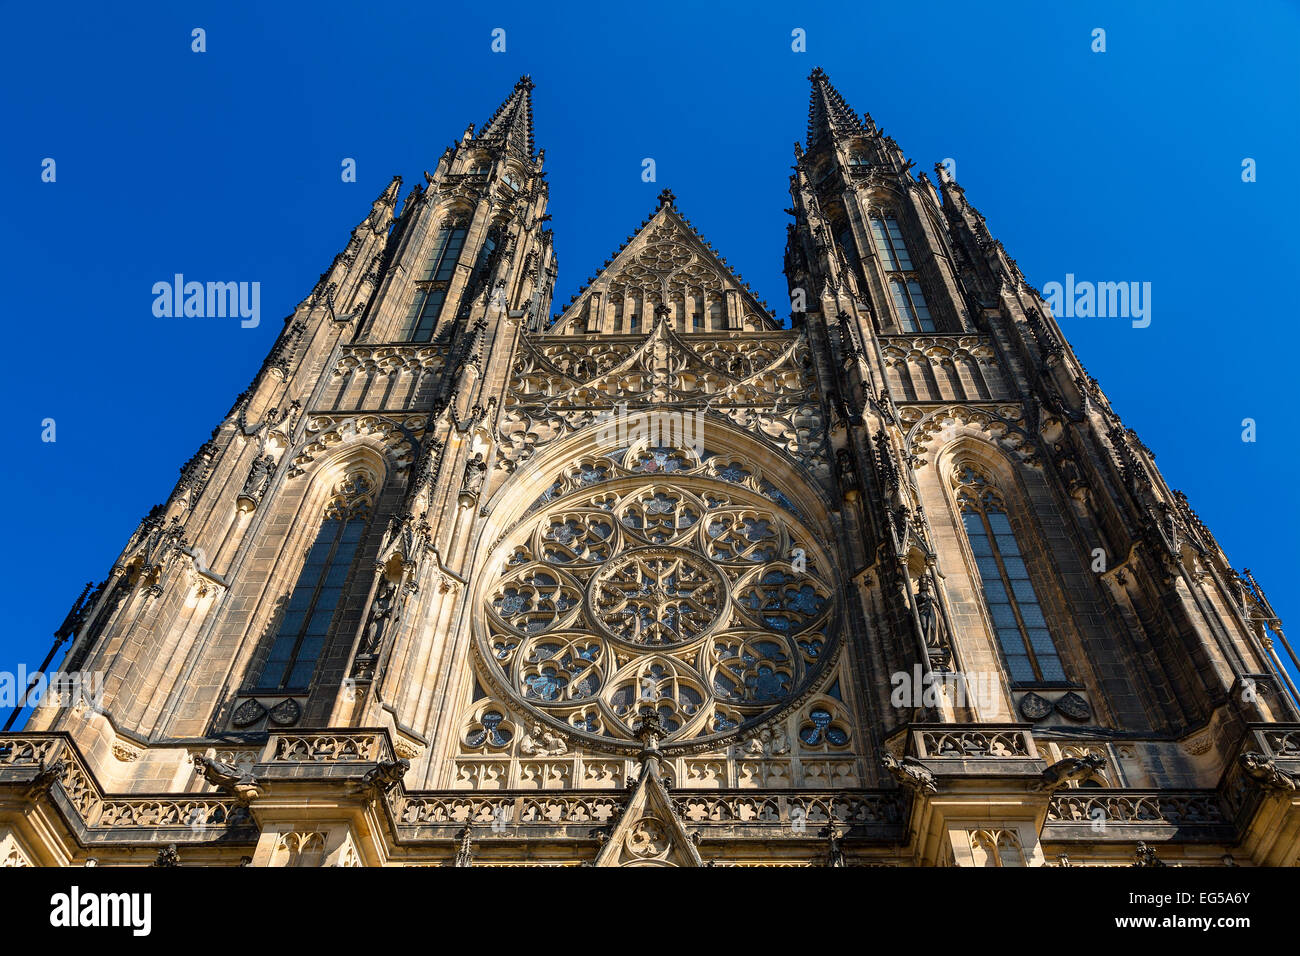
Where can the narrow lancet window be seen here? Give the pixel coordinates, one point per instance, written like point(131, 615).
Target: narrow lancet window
point(434, 283)
point(300, 638)
point(1008, 592)
point(913, 312)
point(904, 285)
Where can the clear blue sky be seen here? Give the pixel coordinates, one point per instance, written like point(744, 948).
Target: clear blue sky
point(226, 166)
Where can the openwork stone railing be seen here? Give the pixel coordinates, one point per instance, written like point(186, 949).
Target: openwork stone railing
point(27, 751)
point(50, 764)
point(793, 813)
point(75, 790)
point(506, 809)
point(967, 741)
point(27, 756)
point(1147, 808)
point(359, 747)
point(1275, 740)
point(793, 808)
point(418, 815)
point(152, 813)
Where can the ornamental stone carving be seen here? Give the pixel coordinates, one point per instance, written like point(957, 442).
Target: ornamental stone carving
point(674, 595)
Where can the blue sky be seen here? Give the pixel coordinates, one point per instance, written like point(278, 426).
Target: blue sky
point(225, 165)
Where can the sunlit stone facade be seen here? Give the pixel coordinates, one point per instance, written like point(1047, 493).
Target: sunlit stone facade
point(660, 578)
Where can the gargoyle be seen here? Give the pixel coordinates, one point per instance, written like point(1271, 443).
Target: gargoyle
point(834, 844)
point(383, 776)
point(242, 785)
point(1266, 774)
point(1071, 768)
point(911, 773)
point(50, 774)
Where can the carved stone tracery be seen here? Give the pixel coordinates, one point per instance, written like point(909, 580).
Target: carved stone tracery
point(671, 594)
point(762, 383)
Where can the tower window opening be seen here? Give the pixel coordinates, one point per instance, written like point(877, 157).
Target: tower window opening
point(913, 311)
point(300, 638)
point(439, 268)
point(889, 244)
point(1009, 594)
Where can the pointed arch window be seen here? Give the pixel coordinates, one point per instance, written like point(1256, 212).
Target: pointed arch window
point(482, 267)
point(300, 638)
point(446, 251)
point(847, 245)
point(1009, 593)
point(889, 244)
point(424, 315)
point(485, 253)
point(909, 300)
point(434, 283)
point(904, 285)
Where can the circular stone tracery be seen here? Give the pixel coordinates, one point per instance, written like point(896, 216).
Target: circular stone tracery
point(657, 596)
point(699, 596)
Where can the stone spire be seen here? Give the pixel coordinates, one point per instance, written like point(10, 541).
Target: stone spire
point(385, 204)
point(511, 126)
point(828, 113)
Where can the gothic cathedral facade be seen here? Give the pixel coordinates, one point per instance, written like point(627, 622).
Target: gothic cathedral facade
point(658, 578)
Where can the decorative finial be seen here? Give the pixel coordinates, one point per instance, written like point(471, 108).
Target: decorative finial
point(667, 198)
point(649, 730)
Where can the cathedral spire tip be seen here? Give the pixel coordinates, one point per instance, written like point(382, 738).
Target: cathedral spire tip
point(512, 123)
point(828, 113)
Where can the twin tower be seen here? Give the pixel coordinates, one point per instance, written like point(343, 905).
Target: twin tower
point(662, 578)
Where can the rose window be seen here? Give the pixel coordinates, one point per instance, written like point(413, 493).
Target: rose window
point(680, 592)
point(657, 596)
